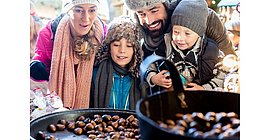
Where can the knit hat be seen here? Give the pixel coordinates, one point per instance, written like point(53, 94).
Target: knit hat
point(122, 27)
point(118, 28)
point(139, 4)
point(191, 14)
point(68, 4)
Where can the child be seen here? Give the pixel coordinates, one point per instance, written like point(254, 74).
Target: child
point(193, 54)
point(116, 74)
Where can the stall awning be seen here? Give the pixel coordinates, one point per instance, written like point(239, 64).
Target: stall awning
point(228, 3)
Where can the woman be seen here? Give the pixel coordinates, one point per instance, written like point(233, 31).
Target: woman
point(116, 75)
point(65, 52)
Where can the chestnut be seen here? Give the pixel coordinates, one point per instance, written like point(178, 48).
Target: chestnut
point(64, 122)
point(71, 126)
point(78, 131)
point(115, 124)
point(60, 127)
point(170, 122)
point(98, 120)
point(81, 118)
point(122, 121)
point(92, 136)
point(87, 120)
point(88, 127)
point(115, 117)
point(182, 123)
point(41, 135)
point(130, 118)
point(179, 116)
point(51, 128)
point(106, 118)
point(80, 124)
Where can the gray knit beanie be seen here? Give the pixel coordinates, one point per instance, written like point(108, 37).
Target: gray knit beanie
point(140, 4)
point(191, 14)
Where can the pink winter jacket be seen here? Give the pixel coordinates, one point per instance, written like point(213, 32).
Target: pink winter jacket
point(44, 45)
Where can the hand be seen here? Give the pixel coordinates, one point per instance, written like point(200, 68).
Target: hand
point(162, 79)
point(193, 86)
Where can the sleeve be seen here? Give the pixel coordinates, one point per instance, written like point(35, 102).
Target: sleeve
point(38, 71)
point(152, 71)
point(216, 31)
point(218, 81)
point(44, 47)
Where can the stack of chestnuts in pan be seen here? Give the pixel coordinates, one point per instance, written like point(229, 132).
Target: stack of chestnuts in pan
point(98, 127)
point(211, 125)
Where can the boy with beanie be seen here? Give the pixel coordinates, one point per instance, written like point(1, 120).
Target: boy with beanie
point(116, 73)
point(154, 19)
point(193, 54)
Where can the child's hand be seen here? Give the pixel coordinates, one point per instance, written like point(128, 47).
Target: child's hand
point(193, 86)
point(162, 79)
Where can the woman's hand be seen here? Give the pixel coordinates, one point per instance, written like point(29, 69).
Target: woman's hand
point(194, 86)
point(162, 79)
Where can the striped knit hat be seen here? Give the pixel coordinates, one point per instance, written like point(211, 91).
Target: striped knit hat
point(68, 4)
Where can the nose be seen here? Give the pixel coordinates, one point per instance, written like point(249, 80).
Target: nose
point(86, 16)
point(122, 49)
point(148, 19)
point(178, 37)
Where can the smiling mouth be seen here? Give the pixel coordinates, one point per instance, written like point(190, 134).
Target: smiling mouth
point(154, 25)
point(121, 57)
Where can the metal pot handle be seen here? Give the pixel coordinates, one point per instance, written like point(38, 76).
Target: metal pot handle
point(174, 74)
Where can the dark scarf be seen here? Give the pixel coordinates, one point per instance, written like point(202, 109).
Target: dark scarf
point(120, 70)
point(103, 85)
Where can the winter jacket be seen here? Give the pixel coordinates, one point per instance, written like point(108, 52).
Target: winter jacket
point(196, 66)
point(215, 30)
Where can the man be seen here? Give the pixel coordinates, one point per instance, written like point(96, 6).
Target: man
point(154, 17)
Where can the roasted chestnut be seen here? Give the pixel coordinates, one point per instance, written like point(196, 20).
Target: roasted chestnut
point(78, 131)
point(60, 127)
point(51, 128)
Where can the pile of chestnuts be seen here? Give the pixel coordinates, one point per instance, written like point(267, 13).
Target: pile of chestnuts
point(98, 127)
point(211, 125)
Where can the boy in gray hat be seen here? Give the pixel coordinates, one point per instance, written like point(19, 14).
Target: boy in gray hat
point(154, 18)
point(193, 54)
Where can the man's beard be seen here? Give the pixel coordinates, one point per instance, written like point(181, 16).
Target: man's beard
point(155, 33)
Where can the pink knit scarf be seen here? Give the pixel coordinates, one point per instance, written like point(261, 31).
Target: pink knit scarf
point(72, 86)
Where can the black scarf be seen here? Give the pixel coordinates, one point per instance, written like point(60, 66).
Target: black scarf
point(103, 85)
point(120, 70)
